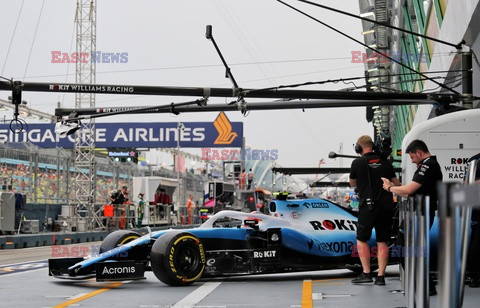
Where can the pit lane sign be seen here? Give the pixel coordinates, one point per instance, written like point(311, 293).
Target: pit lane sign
point(220, 133)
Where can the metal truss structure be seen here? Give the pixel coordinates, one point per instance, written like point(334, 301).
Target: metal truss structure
point(84, 148)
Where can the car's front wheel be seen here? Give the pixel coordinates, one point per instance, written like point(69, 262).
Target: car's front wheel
point(178, 258)
point(118, 238)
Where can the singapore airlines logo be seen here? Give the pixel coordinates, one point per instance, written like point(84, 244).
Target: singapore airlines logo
point(224, 129)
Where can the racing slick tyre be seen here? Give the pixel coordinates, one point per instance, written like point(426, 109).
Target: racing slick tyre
point(177, 258)
point(118, 238)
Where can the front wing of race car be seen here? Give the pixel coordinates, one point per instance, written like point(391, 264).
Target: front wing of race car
point(111, 265)
point(103, 271)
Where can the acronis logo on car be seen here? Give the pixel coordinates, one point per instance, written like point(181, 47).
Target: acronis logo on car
point(119, 270)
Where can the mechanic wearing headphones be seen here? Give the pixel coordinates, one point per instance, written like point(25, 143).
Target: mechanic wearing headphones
point(376, 206)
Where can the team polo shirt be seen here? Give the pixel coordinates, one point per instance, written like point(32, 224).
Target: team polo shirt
point(428, 173)
point(378, 168)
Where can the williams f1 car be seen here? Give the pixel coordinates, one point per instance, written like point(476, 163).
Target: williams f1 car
point(298, 235)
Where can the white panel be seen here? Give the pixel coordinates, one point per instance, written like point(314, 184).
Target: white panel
point(453, 138)
point(7, 211)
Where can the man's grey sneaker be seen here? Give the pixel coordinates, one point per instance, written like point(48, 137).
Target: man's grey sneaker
point(363, 278)
point(380, 281)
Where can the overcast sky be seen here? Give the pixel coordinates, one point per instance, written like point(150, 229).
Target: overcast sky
point(265, 43)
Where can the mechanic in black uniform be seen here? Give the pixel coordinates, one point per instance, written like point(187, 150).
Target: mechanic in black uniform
point(366, 173)
point(424, 181)
point(425, 178)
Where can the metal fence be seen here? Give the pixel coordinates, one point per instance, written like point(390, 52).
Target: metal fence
point(454, 215)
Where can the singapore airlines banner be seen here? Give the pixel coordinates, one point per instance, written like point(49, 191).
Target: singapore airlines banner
point(220, 133)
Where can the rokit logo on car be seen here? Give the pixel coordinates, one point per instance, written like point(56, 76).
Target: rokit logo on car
point(264, 254)
point(340, 224)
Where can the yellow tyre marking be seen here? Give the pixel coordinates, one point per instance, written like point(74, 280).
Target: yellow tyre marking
point(88, 295)
point(181, 238)
point(307, 294)
point(128, 239)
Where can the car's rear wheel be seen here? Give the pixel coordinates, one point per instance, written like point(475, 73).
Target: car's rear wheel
point(178, 258)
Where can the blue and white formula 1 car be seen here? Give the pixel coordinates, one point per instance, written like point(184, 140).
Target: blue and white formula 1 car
point(299, 235)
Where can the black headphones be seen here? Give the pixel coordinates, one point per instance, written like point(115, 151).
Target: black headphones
point(358, 148)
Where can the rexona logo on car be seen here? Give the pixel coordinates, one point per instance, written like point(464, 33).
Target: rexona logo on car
point(107, 271)
point(340, 224)
point(337, 247)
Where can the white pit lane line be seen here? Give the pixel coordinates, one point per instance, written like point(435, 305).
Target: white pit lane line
point(196, 296)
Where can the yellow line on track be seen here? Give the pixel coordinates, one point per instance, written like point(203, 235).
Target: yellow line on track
point(307, 294)
point(88, 295)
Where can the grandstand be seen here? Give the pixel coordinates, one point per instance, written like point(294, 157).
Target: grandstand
point(47, 175)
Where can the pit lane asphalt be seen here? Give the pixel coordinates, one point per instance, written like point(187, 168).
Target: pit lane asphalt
point(25, 283)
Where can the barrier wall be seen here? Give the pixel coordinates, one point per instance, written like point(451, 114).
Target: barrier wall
point(62, 238)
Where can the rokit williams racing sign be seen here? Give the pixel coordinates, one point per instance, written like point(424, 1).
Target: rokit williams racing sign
point(135, 135)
